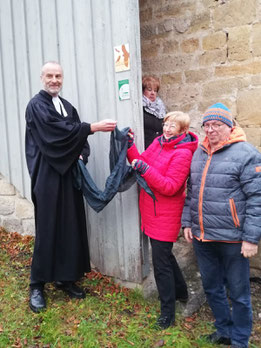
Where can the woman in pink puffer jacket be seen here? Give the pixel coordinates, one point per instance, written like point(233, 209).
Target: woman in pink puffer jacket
point(165, 166)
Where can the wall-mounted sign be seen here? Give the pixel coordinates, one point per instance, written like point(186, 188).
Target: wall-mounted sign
point(122, 57)
point(124, 89)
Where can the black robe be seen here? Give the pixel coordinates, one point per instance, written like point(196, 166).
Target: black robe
point(53, 145)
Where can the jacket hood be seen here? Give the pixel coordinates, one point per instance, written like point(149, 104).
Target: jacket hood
point(186, 141)
point(237, 135)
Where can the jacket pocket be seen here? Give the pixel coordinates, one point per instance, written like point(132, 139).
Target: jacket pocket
point(234, 212)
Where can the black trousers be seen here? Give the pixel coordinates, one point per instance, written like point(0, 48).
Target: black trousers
point(168, 276)
point(36, 285)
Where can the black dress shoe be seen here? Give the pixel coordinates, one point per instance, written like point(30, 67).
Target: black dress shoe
point(70, 289)
point(164, 321)
point(216, 338)
point(37, 301)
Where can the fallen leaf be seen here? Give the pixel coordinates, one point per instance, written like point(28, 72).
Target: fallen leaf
point(160, 343)
point(187, 326)
point(131, 343)
point(190, 319)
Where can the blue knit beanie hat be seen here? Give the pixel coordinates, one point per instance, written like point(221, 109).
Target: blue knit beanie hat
point(218, 112)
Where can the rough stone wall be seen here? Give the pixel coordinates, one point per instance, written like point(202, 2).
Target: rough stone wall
point(205, 51)
point(16, 213)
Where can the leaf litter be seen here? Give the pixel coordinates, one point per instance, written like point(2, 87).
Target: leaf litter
point(120, 317)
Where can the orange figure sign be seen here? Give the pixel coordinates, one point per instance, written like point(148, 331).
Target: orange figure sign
point(122, 58)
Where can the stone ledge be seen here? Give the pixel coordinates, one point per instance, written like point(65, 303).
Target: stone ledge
point(6, 189)
point(7, 205)
point(16, 212)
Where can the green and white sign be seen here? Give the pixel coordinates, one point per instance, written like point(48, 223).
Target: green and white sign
point(124, 89)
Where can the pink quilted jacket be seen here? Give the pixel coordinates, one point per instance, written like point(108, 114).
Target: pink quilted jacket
point(169, 169)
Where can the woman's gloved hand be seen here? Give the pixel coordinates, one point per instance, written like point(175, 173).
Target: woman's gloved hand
point(130, 138)
point(140, 166)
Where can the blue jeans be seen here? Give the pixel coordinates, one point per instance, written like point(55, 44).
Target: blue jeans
point(221, 265)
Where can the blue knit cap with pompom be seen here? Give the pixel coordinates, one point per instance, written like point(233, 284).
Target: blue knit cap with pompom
point(218, 112)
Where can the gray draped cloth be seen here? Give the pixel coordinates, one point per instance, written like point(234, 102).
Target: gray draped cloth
point(122, 176)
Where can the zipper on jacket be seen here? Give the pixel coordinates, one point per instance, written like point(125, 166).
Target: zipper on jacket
point(201, 191)
point(154, 202)
point(161, 148)
point(234, 212)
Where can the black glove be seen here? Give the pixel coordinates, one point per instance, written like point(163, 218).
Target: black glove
point(130, 138)
point(141, 166)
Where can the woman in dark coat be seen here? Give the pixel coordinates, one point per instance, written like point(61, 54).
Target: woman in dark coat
point(153, 109)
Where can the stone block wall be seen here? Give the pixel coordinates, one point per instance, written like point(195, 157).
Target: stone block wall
point(205, 51)
point(16, 213)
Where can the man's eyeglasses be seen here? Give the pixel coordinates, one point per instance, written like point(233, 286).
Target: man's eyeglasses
point(171, 126)
point(214, 126)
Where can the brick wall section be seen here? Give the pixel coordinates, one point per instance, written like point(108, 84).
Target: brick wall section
point(206, 51)
point(16, 213)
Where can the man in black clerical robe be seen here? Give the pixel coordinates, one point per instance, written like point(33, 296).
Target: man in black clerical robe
point(55, 140)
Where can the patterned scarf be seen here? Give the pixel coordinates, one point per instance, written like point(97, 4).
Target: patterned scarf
point(156, 108)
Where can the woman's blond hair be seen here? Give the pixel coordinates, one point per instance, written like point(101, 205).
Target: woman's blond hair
point(181, 118)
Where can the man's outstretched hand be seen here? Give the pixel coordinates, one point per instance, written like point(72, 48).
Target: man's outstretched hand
point(106, 125)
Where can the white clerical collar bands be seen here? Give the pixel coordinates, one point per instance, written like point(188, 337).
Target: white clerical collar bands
point(59, 106)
